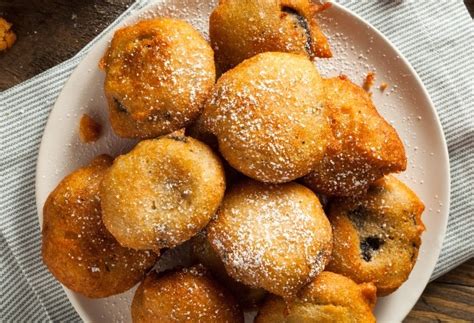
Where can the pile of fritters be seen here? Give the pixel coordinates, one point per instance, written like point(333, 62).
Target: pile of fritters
point(237, 167)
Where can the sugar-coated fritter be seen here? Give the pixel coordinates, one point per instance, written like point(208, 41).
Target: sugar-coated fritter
point(240, 29)
point(274, 237)
point(162, 193)
point(328, 298)
point(268, 118)
point(202, 251)
point(367, 147)
point(77, 248)
point(377, 236)
point(159, 72)
point(188, 295)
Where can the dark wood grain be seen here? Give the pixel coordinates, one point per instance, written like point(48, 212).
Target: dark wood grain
point(470, 6)
point(449, 298)
point(51, 31)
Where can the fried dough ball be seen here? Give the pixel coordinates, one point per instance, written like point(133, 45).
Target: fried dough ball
point(77, 248)
point(158, 74)
point(268, 119)
point(377, 236)
point(202, 251)
point(188, 295)
point(241, 29)
point(274, 237)
point(367, 147)
point(329, 298)
point(162, 193)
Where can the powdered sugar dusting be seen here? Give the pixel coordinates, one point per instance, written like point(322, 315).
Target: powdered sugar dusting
point(402, 105)
point(270, 236)
point(268, 119)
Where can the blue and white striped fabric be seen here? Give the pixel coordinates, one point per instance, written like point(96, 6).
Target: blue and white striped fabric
point(439, 45)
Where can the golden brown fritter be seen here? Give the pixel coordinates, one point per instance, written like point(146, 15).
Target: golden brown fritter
point(77, 248)
point(274, 237)
point(329, 298)
point(188, 295)
point(202, 251)
point(162, 193)
point(158, 74)
point(377, 236)
point(367, 146)
point(240, 29)
point(267, 117)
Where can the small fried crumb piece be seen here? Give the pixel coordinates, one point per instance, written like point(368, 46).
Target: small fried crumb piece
point(7, 36)
point(369, 81)
point(343, 77)
point(89, 129)
point(321, 7)
point(102, 64)
point(383, 86)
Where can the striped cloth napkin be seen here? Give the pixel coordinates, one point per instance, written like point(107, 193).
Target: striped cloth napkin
point(435, 36)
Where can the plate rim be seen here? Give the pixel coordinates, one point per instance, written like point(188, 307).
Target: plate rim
point(106, 36)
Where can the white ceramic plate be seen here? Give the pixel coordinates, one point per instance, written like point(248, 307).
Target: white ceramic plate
point(358, 48)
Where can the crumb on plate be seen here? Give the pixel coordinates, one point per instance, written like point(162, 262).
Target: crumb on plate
point(383, 86)
point(369, 81)
point(89, 129)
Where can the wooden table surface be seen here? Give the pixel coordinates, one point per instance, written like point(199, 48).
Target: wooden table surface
point(51, 31)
